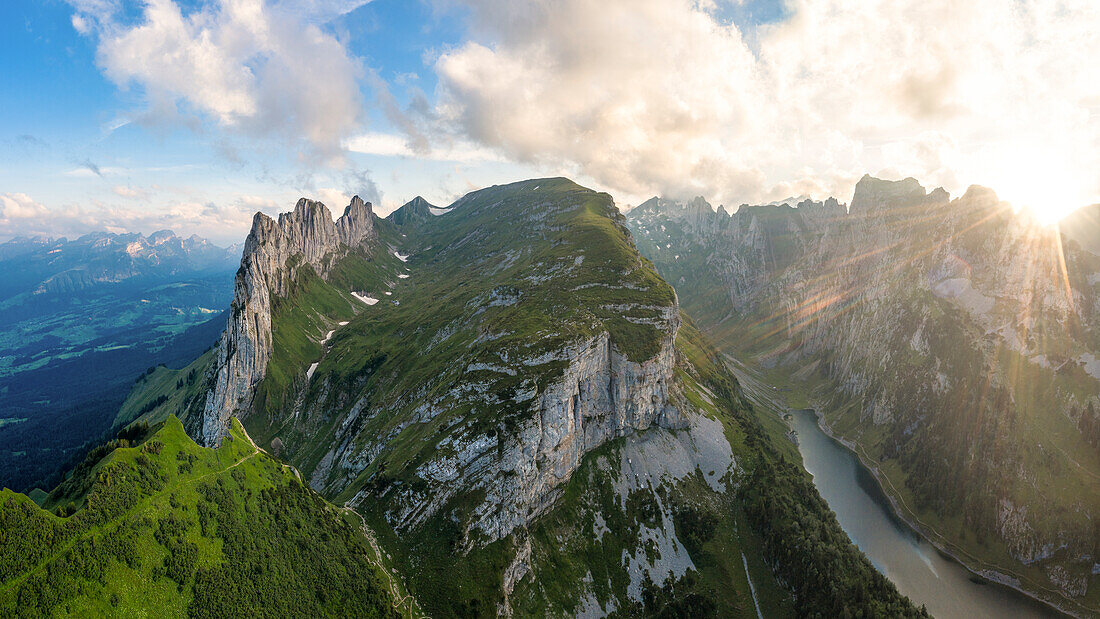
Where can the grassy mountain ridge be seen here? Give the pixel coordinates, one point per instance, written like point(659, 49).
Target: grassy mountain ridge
point(162, 526)
point(495, 297)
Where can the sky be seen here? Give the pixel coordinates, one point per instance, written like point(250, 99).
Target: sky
point(192, 115)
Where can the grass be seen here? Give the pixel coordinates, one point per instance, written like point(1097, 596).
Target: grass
point(161, 527)
point(166, 392)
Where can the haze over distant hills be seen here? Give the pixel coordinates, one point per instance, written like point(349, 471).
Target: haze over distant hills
point(81, 319)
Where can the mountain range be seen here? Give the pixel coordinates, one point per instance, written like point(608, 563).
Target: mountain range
point(526, 403)
point(951, 343)
point(502, 394)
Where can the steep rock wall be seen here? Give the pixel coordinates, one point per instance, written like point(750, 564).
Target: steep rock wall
point(307, 235)
point(599, 396)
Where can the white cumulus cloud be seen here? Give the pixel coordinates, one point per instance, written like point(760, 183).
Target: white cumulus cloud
point(394, 145)
point(18, 206)
point(126, 191)
point(258, 67)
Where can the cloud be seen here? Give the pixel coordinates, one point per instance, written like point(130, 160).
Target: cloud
point(89, 169)
point(665, 96)
point(114, 124)
point(350, 183)
point(18, 206)
point(80, 24)
point(360, 183)
point(394, 145)
point(258, 202)
point(334, 199)
point(28, 141)
point(129, 192)
point(259, 68)
point(90, 166)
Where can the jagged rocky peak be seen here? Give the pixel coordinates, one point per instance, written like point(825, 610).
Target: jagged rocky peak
point(419, 202)
point(876, 195)
point(697, 214)
point(789, 201)
point(246, 344)
point(357, 222)
point(830, 207)
point(310, 230)
point(699, 203)
point(161, 236)
point(820, 214)
point(651, 206)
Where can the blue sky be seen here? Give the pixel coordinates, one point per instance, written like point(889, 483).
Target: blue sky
point(73, 139)
point(192, 114)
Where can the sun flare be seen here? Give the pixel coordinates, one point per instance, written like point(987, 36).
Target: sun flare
point(1045, 183)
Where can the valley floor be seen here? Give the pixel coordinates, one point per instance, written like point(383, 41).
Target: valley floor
point(776, 391)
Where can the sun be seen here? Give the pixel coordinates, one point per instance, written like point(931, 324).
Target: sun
point(1044, 183)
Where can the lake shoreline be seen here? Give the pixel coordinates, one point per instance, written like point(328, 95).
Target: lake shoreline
point(940, 544)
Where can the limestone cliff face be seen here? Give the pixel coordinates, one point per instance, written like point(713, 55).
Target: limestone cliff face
point(601, 395)
point(272, 253)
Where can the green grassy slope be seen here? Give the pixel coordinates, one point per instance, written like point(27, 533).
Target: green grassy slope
point(166, 392)
point(162, 527)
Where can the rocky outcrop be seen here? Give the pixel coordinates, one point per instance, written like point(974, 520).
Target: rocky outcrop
point(875, 196)
point(306, 235)
point(601, 396)
point(415, 210)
